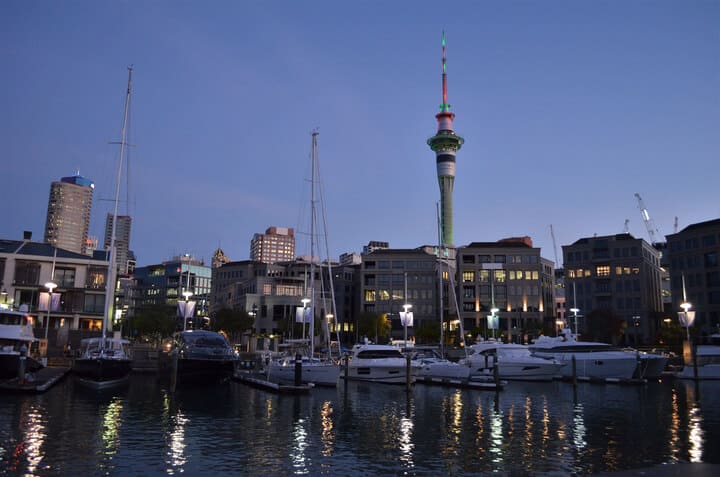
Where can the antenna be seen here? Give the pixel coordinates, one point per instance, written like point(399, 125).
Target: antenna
point(444, 106)
point(675, 225)
point(626, 228)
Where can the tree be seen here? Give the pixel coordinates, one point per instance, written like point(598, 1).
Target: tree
point(372, 325)
point(154, 322)
point(232, 322)
point(604, 325)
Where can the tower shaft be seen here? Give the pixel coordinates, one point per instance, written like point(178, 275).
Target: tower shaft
point(445, 144)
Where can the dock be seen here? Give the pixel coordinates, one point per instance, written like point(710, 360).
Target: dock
point(490, 385)
point(258, 381)
point(40, 382)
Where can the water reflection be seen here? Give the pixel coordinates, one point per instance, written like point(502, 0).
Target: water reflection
point(111, 427)
point(328, 434)
point(35, 430)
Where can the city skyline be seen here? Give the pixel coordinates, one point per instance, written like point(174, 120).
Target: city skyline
point(567, 108)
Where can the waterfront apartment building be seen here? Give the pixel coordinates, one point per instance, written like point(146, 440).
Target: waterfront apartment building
point(511, 276)
point(124, 257)
point(164, 284)
point(619, 275)
point(694, 253)
point(277, 244)
point(386, 273)
point(272, 292)
point(78, 300)
point(68, 213)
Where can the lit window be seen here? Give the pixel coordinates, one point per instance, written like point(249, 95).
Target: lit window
point(602, 270)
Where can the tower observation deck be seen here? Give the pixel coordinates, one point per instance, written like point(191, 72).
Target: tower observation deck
point(445, 144)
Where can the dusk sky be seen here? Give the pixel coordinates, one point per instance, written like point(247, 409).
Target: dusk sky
point(568, 108)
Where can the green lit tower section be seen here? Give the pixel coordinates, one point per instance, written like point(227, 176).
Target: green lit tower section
point(445, 144)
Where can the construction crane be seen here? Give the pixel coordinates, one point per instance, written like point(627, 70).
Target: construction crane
point(675, 225)
point(552, 234)
point(649, 224)
point(626, 228)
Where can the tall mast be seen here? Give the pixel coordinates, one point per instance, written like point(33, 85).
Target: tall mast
point(312, 243)
point(112, 266)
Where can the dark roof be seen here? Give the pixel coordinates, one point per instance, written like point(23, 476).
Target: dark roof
point(42, 249)
point(617, 237)
point(701, 225)
point(497, 245)
point(395, 251)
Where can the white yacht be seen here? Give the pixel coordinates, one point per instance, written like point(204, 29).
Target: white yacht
point(708, 361)
point(592, 359)
point(649, 365)
point(314, 370)
point(378, 363)
point(428, 364)
point(15, 333)
point(514, 362)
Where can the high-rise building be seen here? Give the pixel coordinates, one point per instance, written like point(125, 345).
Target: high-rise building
point(445, 144)
point(122, 242)
point(68, 213)
point(277, 244)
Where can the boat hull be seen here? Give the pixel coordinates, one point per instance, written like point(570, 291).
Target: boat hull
point(102, 371)
point(595, 365)
point(389, 373)
point(442, 370)
point(521, 371)
point(319, 374)
point(709, 371)
point(199, 370)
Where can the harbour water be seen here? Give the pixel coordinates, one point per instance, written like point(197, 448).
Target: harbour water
point(359, 430)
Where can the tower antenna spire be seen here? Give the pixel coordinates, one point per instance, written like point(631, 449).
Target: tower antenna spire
point(444, 106)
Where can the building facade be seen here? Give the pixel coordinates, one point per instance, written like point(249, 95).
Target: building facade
point(124, 258)
point(694, 254)
point(165, 284)
point(277, 244)
point(512, 277)
point(78, 300)
point(68, 213)
point(618, 274)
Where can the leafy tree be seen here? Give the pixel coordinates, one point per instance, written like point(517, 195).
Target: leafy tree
point(428, 332)
point(373, 326)
point(154, 322)
point(232, 322)
point(604, 325)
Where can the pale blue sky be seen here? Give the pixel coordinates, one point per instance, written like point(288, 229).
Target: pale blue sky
point(568, 108)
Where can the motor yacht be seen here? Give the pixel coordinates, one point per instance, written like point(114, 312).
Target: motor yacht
point(592, 359)
point(17, 340)
point(379, 363)
point(428, 364)
point(514, 362)
point(198, 356)
point(708, 361)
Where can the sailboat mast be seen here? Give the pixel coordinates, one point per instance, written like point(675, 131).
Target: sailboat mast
point(440, 287)
point(312, 243)
point(112, 266)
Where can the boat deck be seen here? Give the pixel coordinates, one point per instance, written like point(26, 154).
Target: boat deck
point(42, 380)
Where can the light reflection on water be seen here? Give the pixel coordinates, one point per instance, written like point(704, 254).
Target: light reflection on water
point(362, 431)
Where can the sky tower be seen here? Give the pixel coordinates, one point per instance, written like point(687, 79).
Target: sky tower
point(445, 144)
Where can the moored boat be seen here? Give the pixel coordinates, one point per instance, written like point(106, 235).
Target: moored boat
point(514, 362)
point(16, 341)
point(103, 362)
point(593, 360)
point(427, 363)
point(708, 361)
point(198, 356)
point(379, 363)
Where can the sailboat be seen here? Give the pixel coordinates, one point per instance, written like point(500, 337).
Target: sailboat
point(105, 361)
point(320, 372)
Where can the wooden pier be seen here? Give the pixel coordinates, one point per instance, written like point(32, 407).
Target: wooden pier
point(40, 381)
point(489, 385)
point(259, 381)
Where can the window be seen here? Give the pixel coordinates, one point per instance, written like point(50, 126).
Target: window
point(468, 276)
point(499, 259)
point(484, 258)
point(535, 275)
point(94, 303)
point(500, 276)
point(369, 295)
point(468, 258)
point(469, 292)
point(96, 278)
point(383, 264)
point(370, 280)
point(602, 270)
point(711, 259)
point(64, 277)
point(27, 273)
point(484, 276)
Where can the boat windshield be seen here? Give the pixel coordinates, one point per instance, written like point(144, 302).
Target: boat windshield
point(205, 340)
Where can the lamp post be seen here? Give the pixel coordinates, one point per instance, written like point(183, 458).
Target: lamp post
point(187, 294)
point(50, 286)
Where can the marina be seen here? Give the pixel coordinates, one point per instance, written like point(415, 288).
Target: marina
point(359, 429)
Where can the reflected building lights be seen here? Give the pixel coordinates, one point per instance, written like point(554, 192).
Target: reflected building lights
point(35, 435)
point(579, 429)
point(328, 429)
point(496, 437)
point(695, 436)
point(406, 445)
point(299, 445)
point(111, 427)
point(674, 444)
point(177, 444)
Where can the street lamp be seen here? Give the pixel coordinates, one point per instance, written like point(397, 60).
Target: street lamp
point(406, 319)
point(50, 286)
